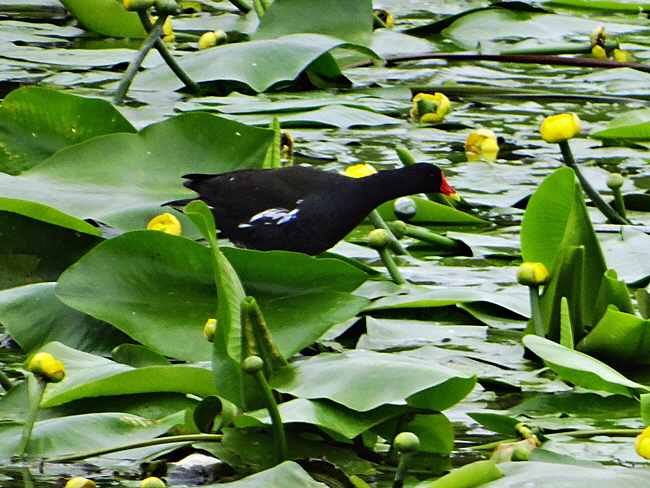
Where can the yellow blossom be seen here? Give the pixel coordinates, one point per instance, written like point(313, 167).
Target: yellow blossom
point(166, 223)
point(642, 443)
point(598, 52)
point(481, 143)
point(212, 38)
point(385, 16)
point(430, 109)
point(359, 170)
point(80, 482)
point(532, 274)
point(621, 56)
point(561, 127)
point(209, 329)
point(44, 365)
point(152, 482)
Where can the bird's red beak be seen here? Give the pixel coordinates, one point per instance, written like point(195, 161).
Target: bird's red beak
point(448, 190)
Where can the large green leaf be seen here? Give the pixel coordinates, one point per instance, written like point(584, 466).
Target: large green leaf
point(83, 433)
point(349, 20)
point(34, 316)
point(363, 380)
point(162, 291)
point(54, 239)
point(122, 179)
point(634, 125)
point(555, 228)
point(106, 17)
point(93, 376)
point(619, 338)
point(285, 475)
point(37, 122)
point(257, 64)
point(581, 369)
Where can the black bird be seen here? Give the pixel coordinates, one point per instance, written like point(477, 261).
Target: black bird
point(300, 208)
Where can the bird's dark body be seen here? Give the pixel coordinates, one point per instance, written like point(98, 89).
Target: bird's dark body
point(299, 208)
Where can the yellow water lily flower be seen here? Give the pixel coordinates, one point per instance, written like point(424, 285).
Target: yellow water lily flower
point(599, 52)
point(621, 56)
point(359, 170)
point(152, 482)
point(532, 274)
point(482, 143)
point(212, 38)
point(44, 365)
point(642, 443)
point(556, 128)
point(209, 329)
point(430, 109)
point(166, 223)
point(80, 482)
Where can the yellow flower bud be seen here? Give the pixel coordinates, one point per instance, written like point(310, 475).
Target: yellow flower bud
point(621, 56)
point(135, 5)
point(209, 329)
point(379, 239)
point(598, 52)
point(152, 482)
point(166, 223)
point(44, 365)
point(481, 143)
point(80, 482)
point(212, 38)
point(385, 17)
point(532, 274)
point(359, 171)
point(430, 109)
point(642, 443)
point(561, 127)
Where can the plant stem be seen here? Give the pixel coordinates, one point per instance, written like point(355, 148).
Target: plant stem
point(241, 5)
point(36, 389)
point(5, 382)
point(593, 195)
point(276, 419)
point(134, 65)
point(389, 262)
point(619, 204)
point(190, 84)
point(137, 445)
point(402, 469)
point(536, 311)
point(378, 223)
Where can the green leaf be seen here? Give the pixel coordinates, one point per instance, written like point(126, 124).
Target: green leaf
point(260, 64)
point(619, 338)
point(34, 316)
point(160, 290)
point(93, 376)
point(566, 329)
point(121, 179)
point(581, 369)
point(83, 433)
point(106, 17)
point(37, 122)
point(431, 212)
point(627, 252)
point(556, 226)
point(502, 424)
point(352, 23)
point(363, 380)
point(633, 125)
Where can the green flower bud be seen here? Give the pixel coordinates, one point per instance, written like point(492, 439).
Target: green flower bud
point(615, 181)
point(166, 7)
point(252, 364)
point(398, 228)
point(379, 239)
point(406, 442)
point(405, 208)
point(532, 274)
